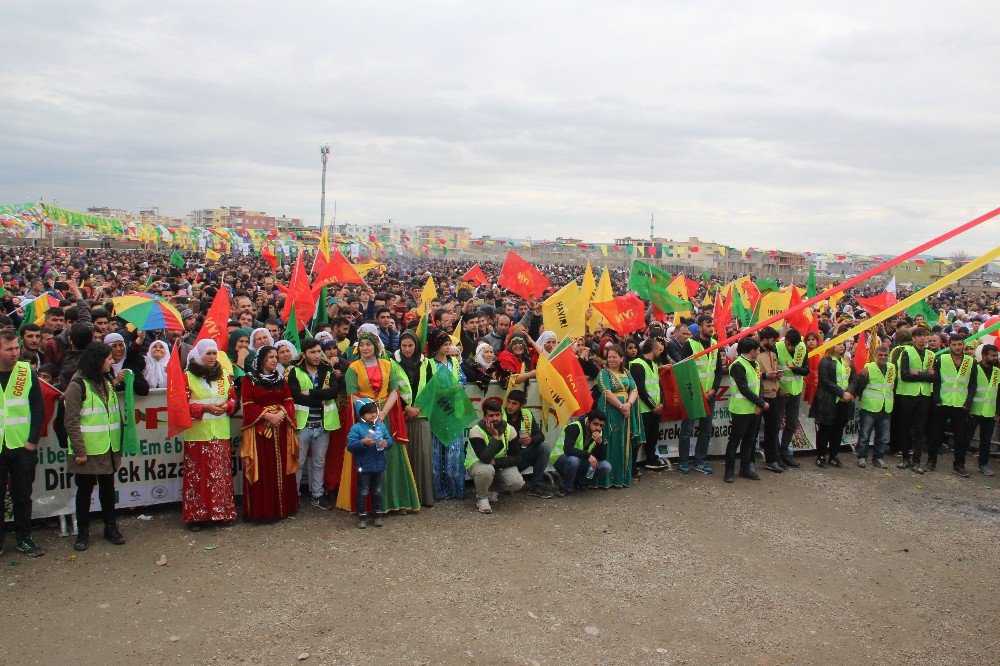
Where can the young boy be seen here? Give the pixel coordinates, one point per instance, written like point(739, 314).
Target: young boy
point(368, 441)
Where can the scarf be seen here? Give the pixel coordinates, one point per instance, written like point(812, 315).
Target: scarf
point(270, 381)
point(155, 371)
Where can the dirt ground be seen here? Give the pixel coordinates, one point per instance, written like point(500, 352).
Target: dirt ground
point(813, 566)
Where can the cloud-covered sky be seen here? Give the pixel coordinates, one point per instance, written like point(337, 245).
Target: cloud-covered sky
point(858, 126)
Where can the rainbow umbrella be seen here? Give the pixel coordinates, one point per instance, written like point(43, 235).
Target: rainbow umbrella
point(147, 312)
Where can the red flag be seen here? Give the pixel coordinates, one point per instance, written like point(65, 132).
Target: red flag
point(625, 314)
point(49, 396)
point(298, 291)
point(861, 352)
point(753, 293)
point(568, 365)
point(876, 304)
point(799, 321)
point(178, 416)
point(476, 276)
point(814, 324)
point(522, 278)
point(723, 313)
point(338, 269)
point(217, 320)
point(268, 255)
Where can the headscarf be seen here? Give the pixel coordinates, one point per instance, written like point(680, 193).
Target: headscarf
point(323, 336)
point(116, 337)
point(545, 337)
point(515, 339)
point(369, 332)
point(199, 350)
point(412, 363)
point(269, 381)
point(233, 339)
point(483, 346)
point(253, 335)
point(155, 371)
point(436, 339)
point(285, 343)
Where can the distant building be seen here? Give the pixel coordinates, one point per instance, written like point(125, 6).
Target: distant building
point(236, 217)
point(454, 237)
point(383, 232)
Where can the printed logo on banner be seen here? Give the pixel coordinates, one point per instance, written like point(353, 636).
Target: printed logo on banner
point(159, 492)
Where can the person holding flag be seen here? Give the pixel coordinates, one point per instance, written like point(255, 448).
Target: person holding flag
point(207, 491)
point(832, 407)
point(794, 365)
point(710, 372)
point(876, 384)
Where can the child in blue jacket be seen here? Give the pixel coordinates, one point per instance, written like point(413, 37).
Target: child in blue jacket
point(368, 440)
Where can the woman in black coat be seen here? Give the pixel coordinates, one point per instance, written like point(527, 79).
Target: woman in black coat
point(833, 405)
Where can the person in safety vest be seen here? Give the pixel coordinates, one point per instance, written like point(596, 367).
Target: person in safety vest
point(314, 389)
point(832, 407)
point(491, 456)
point(746, 405)
point(985, 405)
point(579, 454)
point(646, 373)
point(913, 397)
point(21, 414)
point(876, 386)
point(534, 451)
point(710, 372)
point(93, 423)
point(207, 488)
point(953, 395)
point(794, 366)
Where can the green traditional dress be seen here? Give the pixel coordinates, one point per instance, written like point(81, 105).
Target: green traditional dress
point(620, 435)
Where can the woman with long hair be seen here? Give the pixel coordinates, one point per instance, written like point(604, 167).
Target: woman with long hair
point(832, 408)
point(269, 448)
point(813, 340)
point(418, 371)
point(93, 424)
point(207, 490)
point(623, 429)
point(448, 458)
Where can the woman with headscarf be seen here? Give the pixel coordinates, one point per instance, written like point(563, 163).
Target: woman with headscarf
point(448, 458)
point(269, 449)
point(546, 342)
point(259, 337)
point(516, 361)
point(207, 490)
point(482, 367)
point(126, 359)
point(238, 351)
point(287, 354)
point(373, 376)
point(418, 371)
point(157, 358)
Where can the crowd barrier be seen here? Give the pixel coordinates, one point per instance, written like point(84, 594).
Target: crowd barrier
point(154, 475)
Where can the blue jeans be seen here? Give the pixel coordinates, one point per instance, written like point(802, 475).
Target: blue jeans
point(704, 437)
point(535, 456)
point(573, 471)
point(370, 483)
point(318, 440)
point(879, 422)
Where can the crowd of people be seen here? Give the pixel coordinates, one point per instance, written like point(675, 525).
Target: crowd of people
point(334, 421)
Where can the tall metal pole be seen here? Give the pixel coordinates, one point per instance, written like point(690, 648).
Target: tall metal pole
point(324, 153)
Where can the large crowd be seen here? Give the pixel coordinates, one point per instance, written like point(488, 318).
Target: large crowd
point(333, 421)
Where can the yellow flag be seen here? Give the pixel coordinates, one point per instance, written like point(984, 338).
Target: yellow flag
point(588, 287)
point(456, 337)
point(678, 288)
point(557, 400)
point(771, 304)
point(212, 255)
point(833, 302)
point(707, 300)
point(324, 244)
point(942, 319)
point(429, 293)
point(365, 268)
point(604, 250)
point(604, 293)
point(563, 312)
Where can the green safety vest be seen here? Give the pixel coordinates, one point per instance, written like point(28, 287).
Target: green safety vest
point(560, 446)
point(209, 426)
point(843, 374)
point(916, 388)
point(477, 431)
point(15, 412)
point(878, 394)
point(955, 381)
point(331, 417)
point(526, 421)
point(652, 383)
point(100, 423)
point(789, 382)
point(985, 402)
point(706, 364)
point(738, 403)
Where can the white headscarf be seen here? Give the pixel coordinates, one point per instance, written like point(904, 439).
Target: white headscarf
point(254, 335)
point(323, 336)
point(285, 343)
point(483, 346)
point(155, 371)
point(201, 348)
point(116, 337)
point(545, 336)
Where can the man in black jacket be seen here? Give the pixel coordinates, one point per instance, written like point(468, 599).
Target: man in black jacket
point(746, 405)
point(580, 454)
point(491, 456)
point(534, 452)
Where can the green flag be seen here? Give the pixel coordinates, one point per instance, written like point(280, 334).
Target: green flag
point(643, 278)
point(29, 315)
point(767, 285)
point(322, 315)
point(922, 308)
point(811, 289)
point(689, 388)
point(292, 331)
point(739, 310)
point(177, 260)
point(668, 303)
point(447, 406)
point(130, 440)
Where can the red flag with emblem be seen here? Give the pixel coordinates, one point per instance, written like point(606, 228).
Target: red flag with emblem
point(476, 276)
point(217, 320)
point(522, 278)
point(336, 270)
point(625, 314)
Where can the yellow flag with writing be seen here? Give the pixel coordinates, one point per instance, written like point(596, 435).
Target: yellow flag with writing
point(558, 400)
point(772, 304)
point(429, 293)
point(563, 312)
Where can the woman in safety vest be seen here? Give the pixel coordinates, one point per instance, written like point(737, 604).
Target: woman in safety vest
point(832, 408)
point(93, 423)
point(207, 492)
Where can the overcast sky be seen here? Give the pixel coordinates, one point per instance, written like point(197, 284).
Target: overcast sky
point(867, 127)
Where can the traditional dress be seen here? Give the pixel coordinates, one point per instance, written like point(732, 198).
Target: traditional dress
point(419, 448)
point(620, 435)
point(270, 454)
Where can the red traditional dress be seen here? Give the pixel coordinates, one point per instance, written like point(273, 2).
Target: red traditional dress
point(270, 455)
point(207, 490)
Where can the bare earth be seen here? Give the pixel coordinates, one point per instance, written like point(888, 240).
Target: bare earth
point(813, 566)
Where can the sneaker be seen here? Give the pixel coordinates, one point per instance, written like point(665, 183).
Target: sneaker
point(538, 491)
point(494, 496)
point(559, 491)
point(656, 464)
point(983, 469)
point(749, 474)
point(835, 461)
point(789, 461)
point(958, 470)
point(362, 521)
point(917, 469)
point(704, 468)
point(730, 476)
point(29, 547)
point(774, 467)
point(483, 504)
point(379, 520)
point(878, 463)
point(862, 463)
point(683, 468)
point(322, 502)
point(820, 462)
point(906, 464)
point(781, 464)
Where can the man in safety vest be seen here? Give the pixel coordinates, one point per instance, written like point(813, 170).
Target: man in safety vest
point(579, 454)
point(314, 386)
point(746, 405)
point(534, 452)
point(21, 414)
point(491, 456)
point(876, 384)
point(985, 405)
point(913, 397)
point(646, 373)
point(710, 371)
point(954, 392)
point(794, 363)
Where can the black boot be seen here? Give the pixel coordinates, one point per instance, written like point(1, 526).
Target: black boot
point(82, 537)
point(730, 476)
point(112, 534)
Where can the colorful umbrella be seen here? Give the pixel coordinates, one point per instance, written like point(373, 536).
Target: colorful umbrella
point(147, 312)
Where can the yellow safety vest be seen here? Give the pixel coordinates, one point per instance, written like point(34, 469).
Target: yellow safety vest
point(955, 381)
point(652, 383)
point(15, 412)
point(985, 402)
point(100, 423)
point(738, 403)
point(789, 382)
point(209, 426)
point(878, 393)
point(477, 431)
point(916, 363)
point(706, 364)
point(331, 417)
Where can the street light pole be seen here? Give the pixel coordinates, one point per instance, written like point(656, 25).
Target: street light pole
point(324, 153)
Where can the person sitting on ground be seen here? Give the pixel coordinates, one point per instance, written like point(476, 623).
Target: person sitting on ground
point(491, 456)
point(579, 454)
point(534, 452)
